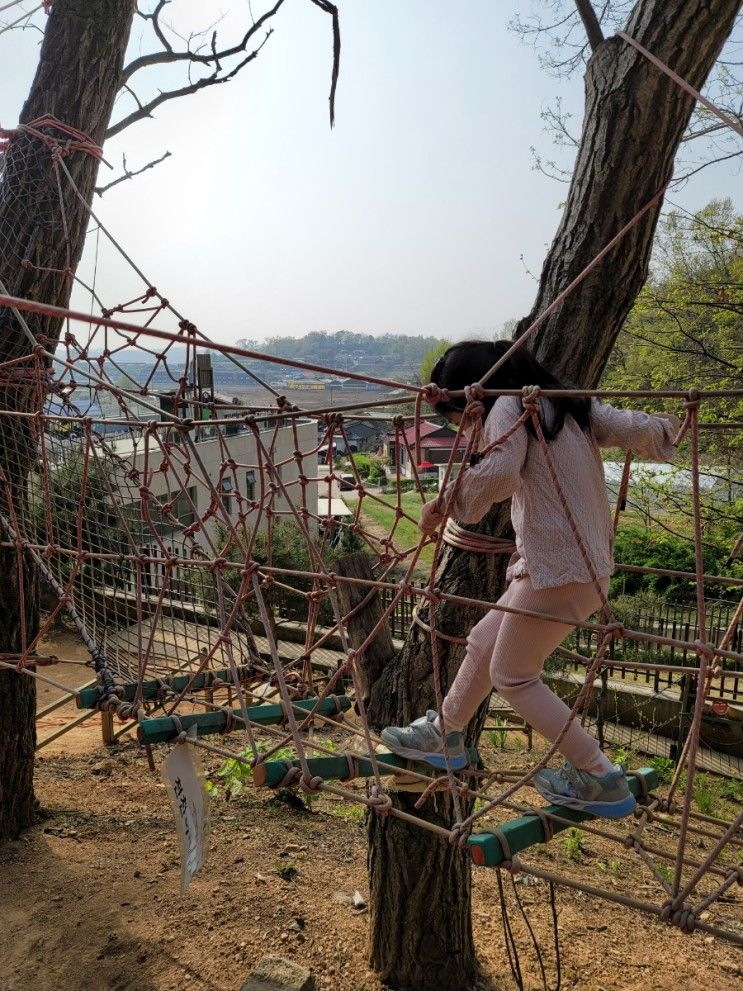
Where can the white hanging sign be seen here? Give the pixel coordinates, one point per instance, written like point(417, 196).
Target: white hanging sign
point(190, 804)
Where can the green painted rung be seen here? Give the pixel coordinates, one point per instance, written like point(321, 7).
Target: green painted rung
point(164, 728)
point(272, 772)
point(88, 697)
point(486, 850)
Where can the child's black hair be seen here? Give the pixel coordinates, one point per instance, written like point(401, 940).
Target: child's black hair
point(466, 363)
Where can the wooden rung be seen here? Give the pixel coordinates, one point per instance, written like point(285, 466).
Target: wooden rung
point(486, 849)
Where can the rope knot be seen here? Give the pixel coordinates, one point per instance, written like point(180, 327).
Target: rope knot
point(615, 631)
point(292, 777)
point(309, 784)
point(459, 833)
point(434, 394)
point(353, 767)
point(685, 917)
point(513, 865)
point(351, 658)
point(705, 650)
point(432, 594)
point(530, 398)
point(380, 801)
point(182, 735)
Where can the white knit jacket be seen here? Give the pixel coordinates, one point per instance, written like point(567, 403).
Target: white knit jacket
point(547, 549)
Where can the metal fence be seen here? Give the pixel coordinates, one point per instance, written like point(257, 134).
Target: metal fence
point(677, 622)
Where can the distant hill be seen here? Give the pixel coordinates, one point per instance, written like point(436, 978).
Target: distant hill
point(397, 355)
point(394, 356)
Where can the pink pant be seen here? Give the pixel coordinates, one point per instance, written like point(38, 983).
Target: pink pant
point(507, 652)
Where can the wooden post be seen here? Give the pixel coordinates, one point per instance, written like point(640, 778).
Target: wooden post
point(107, 727)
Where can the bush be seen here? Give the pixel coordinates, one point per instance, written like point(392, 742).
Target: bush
point(289, 550)
point(377, 475)
point(657, 549)
point(363, 464)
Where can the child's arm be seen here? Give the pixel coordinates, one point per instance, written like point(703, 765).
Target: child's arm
point(497, 476)
point(649, 436)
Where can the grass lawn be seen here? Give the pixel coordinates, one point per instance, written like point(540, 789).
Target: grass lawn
point(407, 534)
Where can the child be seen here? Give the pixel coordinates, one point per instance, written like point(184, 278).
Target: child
point(507, 651)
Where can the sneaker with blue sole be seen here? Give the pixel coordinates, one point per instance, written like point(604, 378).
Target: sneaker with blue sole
point(607, 795)
point(422, 740)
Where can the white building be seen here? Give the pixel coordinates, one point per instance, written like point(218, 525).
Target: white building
point(185, 498)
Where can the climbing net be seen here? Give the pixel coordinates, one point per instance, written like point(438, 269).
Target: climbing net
point(151, 511)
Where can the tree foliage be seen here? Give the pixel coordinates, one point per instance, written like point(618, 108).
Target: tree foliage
point(685, 331)
point(685, 328)
point(430, 359)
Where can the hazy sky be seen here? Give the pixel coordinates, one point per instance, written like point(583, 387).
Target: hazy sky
point(410, 216)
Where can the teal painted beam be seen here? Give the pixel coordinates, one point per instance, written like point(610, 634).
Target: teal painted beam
point(271, 773)
point(164, 728)
point(486, 850)
point(88, 697)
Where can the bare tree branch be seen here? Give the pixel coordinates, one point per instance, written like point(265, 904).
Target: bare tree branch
point(591, 23)
point(26, 16)
point(145, 110)
point(16, 3)
point(128, 174)
point(212, 58)
point(549, 167)
point(678, 180)
point(155, 18)
point(198, 52)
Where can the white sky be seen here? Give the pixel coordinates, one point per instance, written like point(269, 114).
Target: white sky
point(411, 216)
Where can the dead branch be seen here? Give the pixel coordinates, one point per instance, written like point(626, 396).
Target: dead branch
point(200, 52)
point(330, 8)
point(211, 58)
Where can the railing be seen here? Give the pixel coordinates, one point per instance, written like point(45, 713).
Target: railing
point(677, 622)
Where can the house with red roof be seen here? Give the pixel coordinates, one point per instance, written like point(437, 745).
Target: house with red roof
point(437, 442)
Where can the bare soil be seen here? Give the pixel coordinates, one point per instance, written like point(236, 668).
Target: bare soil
point(90, 896)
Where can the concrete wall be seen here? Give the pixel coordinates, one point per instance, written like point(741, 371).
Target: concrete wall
point(655, 712)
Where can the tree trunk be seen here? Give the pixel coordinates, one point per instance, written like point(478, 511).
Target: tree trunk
point(634, 120)
point(42, 232)
point(420, 886)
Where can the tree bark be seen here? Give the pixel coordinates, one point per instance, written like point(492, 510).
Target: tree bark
point(42, 233)
point(634, 120)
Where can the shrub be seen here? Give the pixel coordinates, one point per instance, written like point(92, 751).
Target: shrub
point(657, 549)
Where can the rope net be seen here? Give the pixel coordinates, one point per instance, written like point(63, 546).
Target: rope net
point(171, 526)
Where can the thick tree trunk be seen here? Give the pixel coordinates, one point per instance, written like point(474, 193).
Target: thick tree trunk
point(42, 232)
point(420, 886)
point(634, 120)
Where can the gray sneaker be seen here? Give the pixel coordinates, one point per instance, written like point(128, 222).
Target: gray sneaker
point(421, 740)
point(605, 795)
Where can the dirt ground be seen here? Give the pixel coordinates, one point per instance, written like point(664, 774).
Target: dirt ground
point(90, 896)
